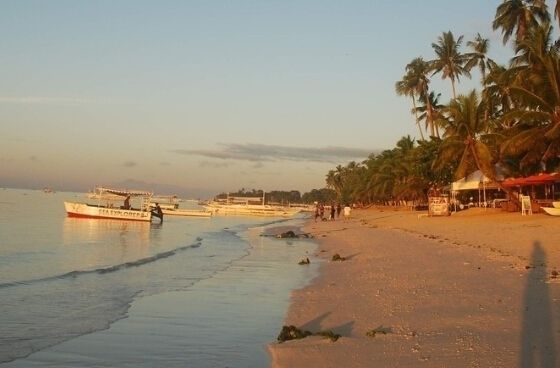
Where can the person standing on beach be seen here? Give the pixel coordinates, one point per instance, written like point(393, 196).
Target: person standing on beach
point(322, 211)
point(338, 209)
point(333, 210)
point(316, 211)
point(347, 210)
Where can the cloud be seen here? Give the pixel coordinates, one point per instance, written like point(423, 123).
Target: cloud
point(130, 164)
point(215, 165)
point(262, 153)
point(34, 158)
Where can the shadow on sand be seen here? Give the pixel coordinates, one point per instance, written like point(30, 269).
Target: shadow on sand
point(538, 347)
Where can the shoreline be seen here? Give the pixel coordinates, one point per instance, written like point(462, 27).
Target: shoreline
point(473, 289)
point(225, 319)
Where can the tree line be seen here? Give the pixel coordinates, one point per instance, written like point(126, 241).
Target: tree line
point(511, 121)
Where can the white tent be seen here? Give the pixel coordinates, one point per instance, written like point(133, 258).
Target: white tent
point(474, 181)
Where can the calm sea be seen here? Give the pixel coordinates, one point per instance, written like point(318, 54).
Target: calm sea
point(191, 292)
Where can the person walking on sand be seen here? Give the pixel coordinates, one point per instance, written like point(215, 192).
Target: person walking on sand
point(316, 211)
point(338, 209)
point(322, 211)
point(347, 210)
point(333, 211)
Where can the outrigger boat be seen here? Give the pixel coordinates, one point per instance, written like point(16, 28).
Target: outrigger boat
point(244, 206)
point(169, 205)
point(105, 207)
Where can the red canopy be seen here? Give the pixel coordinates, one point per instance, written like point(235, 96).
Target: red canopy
point(543, 178)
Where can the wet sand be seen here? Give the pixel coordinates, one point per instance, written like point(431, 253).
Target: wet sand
point(476, 289)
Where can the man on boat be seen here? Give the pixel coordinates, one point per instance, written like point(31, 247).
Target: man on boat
point(127, 202)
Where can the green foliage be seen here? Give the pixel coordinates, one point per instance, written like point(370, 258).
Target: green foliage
point(514, 122)
point(323, 195)
point(275, 196)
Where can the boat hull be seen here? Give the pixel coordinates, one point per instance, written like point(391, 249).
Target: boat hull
point(551, 211)
point(252, 210)
point(83, 210)
point(189, 213)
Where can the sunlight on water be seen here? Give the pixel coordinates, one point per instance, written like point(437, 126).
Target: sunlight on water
point(63, 278)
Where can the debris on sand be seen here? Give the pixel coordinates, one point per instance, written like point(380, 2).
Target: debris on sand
point(293, 333)
point(337, 257)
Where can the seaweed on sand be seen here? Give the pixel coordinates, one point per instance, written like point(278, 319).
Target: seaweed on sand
point(337, 257)
point(293, 333)
point(304, 261)
point(379, 330)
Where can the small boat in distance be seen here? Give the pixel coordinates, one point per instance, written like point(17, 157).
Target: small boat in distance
point(249, 206)
point(107, 208)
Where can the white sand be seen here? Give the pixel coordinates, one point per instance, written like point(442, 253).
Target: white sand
point(450, 292)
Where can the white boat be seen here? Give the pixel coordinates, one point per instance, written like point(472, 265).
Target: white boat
point(242, 206)
point(169, 205)
point(190, 213)
point(166, 202)
point(556, 204)
point(106, 207)
point(553, 211)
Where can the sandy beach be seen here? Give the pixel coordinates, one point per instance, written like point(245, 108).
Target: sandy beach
point(476, 289)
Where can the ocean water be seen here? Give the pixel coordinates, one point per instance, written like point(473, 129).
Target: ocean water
point(191, 292)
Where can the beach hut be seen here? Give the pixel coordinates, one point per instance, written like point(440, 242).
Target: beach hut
point(474, 181)
point(543, 188)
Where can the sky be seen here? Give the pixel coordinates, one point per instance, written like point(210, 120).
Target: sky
point(202, 97)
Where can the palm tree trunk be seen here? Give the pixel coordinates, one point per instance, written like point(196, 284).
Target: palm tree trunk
point(453, 87)
point(416, 115)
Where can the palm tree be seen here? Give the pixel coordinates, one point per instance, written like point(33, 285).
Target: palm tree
point(419, 69)
point(431, 101)
point(557, 11)
point(519, 16)
point(335, 180)
point(477, 57)
point(406, 87)
point(535, 134)
point(465, 137)
point(450, 62)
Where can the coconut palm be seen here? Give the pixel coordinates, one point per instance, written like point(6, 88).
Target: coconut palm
point(557, 11)
point(435, 107)
point(535, 136)
point(406, 87)
point(465, 138)
point(478, 56)
point(519, 16)
point(418, 71)
point(450, 62)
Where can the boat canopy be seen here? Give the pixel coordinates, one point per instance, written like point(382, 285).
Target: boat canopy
point(123, 192)
point(539, 179)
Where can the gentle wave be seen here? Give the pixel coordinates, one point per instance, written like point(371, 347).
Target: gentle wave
point(103, 270)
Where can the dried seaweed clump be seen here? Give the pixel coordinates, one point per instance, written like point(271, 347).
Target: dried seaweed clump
point(304, 261)
point(379, 330)
point(337, 257)
point(328, 334)
point(293, 333)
